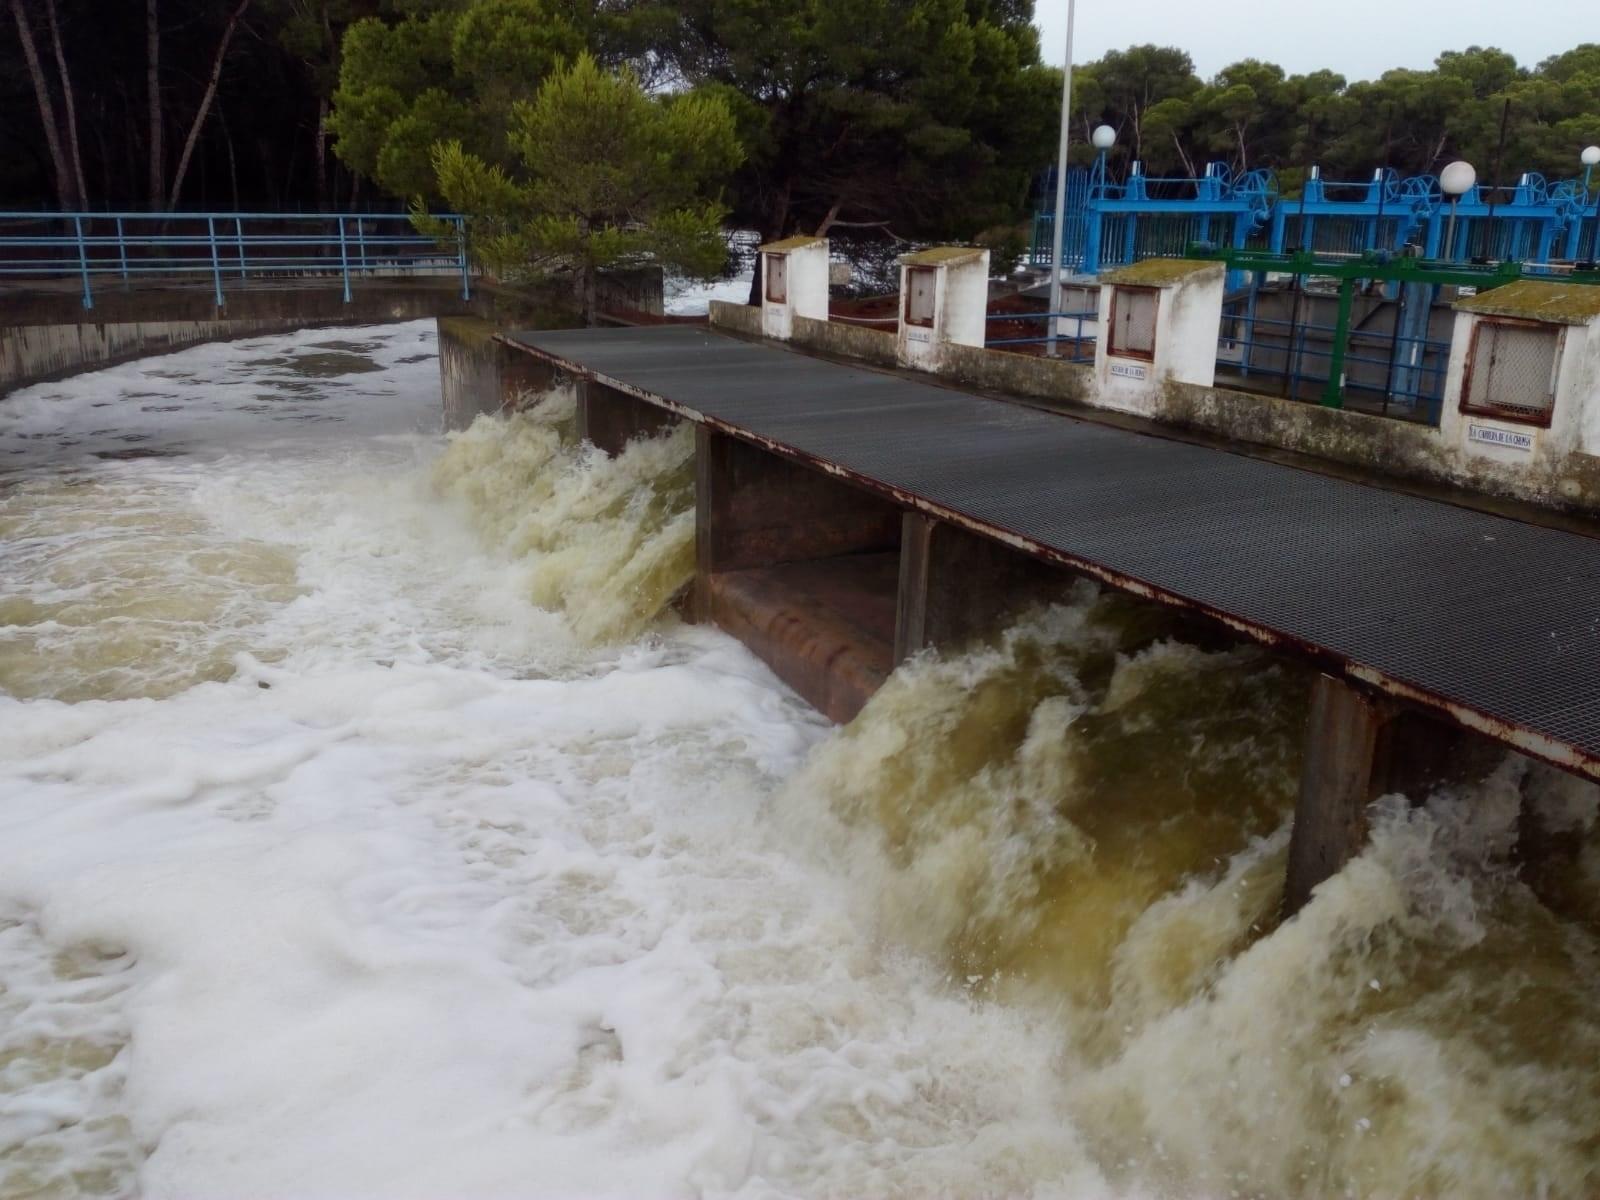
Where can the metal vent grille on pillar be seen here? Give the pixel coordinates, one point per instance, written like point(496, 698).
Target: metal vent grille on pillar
point(919, 295)
point(1511, 370)
point(1133, 321)
point(777, 277)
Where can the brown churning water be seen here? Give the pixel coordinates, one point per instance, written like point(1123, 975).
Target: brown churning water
point(361, 797)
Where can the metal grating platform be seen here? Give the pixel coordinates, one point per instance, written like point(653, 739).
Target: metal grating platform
point(1496, 621)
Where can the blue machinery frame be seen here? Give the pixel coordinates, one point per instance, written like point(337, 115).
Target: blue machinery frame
point(1111, 224)
point(225, 247)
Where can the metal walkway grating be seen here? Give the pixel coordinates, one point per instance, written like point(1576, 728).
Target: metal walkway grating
point(1458, 607)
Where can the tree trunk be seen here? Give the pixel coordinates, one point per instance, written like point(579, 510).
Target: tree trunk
point(1188, 163)
point(75, 155)
point(47, 109)
point(205, 101)
point(152, 85)
point(320, 152)
point(588, 288)
point(774, 231)
point(233, 164)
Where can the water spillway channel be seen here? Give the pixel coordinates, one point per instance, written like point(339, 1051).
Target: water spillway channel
point(370, 825)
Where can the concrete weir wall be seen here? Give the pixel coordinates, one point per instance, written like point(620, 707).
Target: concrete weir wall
point(34, 353)
point(47, 333)
point(478, 374)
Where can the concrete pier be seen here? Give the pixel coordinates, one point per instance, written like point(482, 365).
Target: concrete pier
point(956, 587)
point(1359, 746)
point(800, 566)
point(610, 419)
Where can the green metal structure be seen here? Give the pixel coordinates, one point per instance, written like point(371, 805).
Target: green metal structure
point(1376, 265)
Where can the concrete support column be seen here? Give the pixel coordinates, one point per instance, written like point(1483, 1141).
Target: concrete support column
point(480, 374)
point(611, 419)
point(1360, 746)
point(956, 587)
point(1340, 775)
point(799, 566)
point(755, 509)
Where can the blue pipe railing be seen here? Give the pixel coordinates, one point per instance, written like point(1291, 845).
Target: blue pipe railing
point(1404, 376)
point(1076, 338)
point(213, 247)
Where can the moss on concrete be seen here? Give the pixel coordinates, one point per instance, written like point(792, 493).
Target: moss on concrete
point(1159, 272)
point(791, 243)
point(943, 256)
point(472, 331)
point(1557, 301)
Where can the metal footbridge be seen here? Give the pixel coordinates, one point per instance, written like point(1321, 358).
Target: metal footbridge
point(1491, 622)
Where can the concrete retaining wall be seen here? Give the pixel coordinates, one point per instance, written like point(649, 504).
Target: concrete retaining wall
point(1019, 374)
point(736, 318)
point(32, 354)
point(846, 340)
point(45, 333)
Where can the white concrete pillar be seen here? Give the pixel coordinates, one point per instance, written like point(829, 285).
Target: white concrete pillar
point(794, 282)
point(944, 298)
point(1159, 321)
point(1522, 391)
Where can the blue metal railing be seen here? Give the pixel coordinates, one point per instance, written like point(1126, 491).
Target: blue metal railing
point(1401, 376)
point(1075, 346)
point(225, 248)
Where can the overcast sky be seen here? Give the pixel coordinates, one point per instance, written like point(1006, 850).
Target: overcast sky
point(1358, 38)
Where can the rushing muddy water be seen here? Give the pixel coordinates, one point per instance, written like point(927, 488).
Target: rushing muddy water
point(367, 828)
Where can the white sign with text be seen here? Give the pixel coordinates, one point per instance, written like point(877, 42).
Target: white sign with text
point(1509, 439)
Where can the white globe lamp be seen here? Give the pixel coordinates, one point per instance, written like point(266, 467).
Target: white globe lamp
point(1457, 179)
point(1454, 181)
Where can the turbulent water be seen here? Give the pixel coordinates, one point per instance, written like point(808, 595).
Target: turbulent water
point(369, 826)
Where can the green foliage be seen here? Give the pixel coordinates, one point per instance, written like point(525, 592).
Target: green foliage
point(1254, 115)
point(606, 176)
point(443, 71)
point(927, 117)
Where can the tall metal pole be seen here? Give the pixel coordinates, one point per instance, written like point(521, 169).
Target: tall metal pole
point(1594, 243)
point(1057, 239)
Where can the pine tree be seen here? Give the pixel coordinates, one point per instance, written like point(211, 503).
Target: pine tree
point(605, 176)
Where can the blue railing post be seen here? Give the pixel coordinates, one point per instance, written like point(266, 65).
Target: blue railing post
point(122, 252)
point(83, 262)
point(216, 262)
point(344, 261)
point(1091, 241)
point(461, 254)
point(238, 237)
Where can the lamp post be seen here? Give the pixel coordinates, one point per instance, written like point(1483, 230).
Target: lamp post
point(1589, 158)
point(1057, 234)
point(1455, 181)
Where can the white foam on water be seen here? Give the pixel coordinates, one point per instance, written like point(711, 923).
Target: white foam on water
point(373, 878)
point(367, 829)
